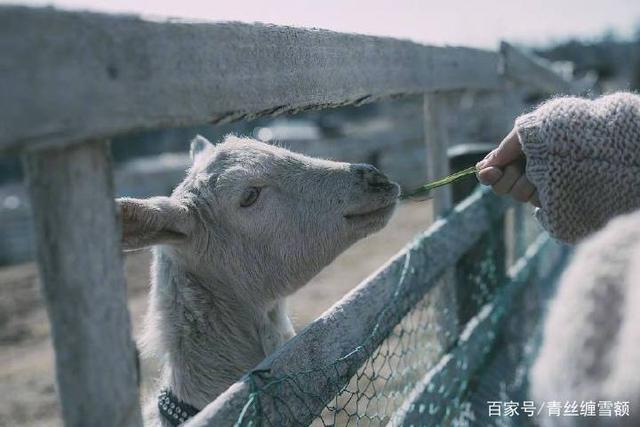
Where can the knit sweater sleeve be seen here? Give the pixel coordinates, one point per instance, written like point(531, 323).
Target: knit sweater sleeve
point(584, 159)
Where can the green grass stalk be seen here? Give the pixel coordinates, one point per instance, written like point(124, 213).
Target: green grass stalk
point(423, 192)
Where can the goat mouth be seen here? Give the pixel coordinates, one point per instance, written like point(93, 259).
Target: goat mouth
point(382, 211)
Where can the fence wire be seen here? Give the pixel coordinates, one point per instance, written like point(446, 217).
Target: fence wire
point(383, 377)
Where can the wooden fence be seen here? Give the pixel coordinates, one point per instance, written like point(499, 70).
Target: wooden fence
point(70, 81)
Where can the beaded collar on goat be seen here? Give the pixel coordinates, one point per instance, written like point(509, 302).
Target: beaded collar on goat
point(173, 409)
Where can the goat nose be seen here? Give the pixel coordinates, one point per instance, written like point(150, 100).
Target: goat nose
point(372, 175)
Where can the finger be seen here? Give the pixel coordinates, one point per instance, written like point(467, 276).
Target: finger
point(510, 175)
point(489, 176)
point(508, 151)
point(522, 190)
point(535, 200)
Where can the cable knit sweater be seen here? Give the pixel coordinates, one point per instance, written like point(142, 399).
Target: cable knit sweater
point(584, 159)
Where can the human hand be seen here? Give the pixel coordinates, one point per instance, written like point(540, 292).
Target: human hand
point(503, 169)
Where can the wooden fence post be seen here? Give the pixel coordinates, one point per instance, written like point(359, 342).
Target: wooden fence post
point(78, 249)
point(437, 141)
point(473, 277)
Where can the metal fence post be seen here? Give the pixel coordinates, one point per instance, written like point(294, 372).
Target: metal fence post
point(78, 249)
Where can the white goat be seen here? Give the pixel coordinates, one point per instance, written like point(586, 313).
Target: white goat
point(250, 224)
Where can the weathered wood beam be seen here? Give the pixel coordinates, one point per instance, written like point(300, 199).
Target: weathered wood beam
point(437, 140)
point(532, 72)
point(80, 260)
point(69, 76)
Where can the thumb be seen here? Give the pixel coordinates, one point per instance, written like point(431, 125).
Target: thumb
point(508, 151)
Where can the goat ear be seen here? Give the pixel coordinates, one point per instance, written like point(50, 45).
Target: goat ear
point(199, 144)
point(147, 222)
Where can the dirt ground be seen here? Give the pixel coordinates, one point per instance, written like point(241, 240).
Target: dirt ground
point(26, 357)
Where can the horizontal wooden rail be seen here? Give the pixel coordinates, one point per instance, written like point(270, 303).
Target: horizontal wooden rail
point(533, 72)
point(401, 283)
point(88, 76)
point(76, 76)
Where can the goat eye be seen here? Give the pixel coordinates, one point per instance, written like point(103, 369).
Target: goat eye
point(250, 196)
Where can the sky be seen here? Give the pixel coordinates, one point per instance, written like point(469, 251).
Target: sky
point(478, 23)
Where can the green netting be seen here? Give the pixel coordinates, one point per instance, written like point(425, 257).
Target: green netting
point(426, 341)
